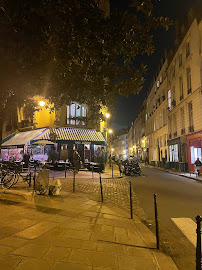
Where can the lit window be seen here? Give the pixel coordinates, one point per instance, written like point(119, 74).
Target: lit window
point(75, 113)
point(169, 99)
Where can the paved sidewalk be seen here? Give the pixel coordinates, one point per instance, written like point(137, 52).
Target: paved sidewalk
point(184, 174)
point(72, 232)
point(108, 173)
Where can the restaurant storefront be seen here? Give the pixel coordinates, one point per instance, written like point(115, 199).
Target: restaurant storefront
point(194, 143)
point(88, 142)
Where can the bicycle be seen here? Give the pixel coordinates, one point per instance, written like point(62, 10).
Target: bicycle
point(16, 172)
point(7, 177)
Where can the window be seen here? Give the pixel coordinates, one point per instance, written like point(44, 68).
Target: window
point(180, 60)
point(169, 99)
point(188, 81)
point(175, 124)
point(181, 88)
point(173, 153)
point(182, 120)
point(187, 49)
point(190, 110)
point(195, 153)
point(75, 114)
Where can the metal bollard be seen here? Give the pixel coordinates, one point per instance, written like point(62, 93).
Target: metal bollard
point(65, 170)
point(156, 222)
point(101, 187)
point(92, 172)
point(112, 171)
point(74, 180)
point(131, 201)
point(198, 243)
point(34, 178)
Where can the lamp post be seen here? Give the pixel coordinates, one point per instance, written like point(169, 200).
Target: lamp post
point(110, 131)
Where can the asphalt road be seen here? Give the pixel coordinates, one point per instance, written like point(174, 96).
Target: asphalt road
point(177, 197)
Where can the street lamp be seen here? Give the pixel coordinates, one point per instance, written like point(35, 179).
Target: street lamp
point(107, 115)
point(41, 103)
point(110, 131)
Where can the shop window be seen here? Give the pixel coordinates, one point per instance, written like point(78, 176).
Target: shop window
point(195, 153)
point(173, 153)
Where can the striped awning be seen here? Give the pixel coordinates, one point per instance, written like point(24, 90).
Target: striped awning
point(23, 138)
point(74, 134)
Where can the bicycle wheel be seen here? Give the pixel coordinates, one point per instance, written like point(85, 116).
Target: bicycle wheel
point(8, 180)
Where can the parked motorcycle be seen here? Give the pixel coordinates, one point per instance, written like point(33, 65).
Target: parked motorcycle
point(132, 167)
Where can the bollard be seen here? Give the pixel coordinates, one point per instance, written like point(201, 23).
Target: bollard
point(156, 222)
point(65, 170)
point(92, 172)
point(131, 201)
point(101, 187)
point(198, 243)
point(34, 178)
point(74, 180)
point(112, 171)
point(30, 179)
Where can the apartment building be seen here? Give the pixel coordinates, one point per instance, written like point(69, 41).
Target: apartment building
point(173, 111)
point(120, 144)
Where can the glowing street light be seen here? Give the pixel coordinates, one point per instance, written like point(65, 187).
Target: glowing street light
point(112, 149)
point(110, 131)
point(41, 103)
point(107, 115)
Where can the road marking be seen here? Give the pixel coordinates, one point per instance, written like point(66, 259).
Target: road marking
point(187, 227)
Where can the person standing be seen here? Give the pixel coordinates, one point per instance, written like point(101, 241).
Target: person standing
point(198, 166)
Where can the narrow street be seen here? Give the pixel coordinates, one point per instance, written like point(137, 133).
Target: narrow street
point(178, 197)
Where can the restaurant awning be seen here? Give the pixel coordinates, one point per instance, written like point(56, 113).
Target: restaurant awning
point(74, 134)
point(23, 138)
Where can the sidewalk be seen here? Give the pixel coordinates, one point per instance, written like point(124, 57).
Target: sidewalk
point(89, 174)
point(184, 174)
point(72, 232)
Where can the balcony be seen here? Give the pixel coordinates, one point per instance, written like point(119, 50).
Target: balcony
point(189, 91)
point(175, 134)
point(191, 128)
point(181, 97)
point(174, 103)
point(182, 131)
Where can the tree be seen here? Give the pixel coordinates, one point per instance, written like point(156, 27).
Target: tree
point(68, 50)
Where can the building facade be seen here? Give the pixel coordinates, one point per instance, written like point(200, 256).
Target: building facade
point(71, 127)
point(173, 107)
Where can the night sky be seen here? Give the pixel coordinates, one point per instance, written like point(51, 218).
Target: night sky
point(126, 109)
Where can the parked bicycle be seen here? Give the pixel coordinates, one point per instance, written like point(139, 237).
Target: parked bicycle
point(7, 177)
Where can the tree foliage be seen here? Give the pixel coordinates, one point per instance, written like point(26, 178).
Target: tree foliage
point(68, 50)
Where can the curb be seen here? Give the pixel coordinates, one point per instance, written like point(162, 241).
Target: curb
point(196, 179)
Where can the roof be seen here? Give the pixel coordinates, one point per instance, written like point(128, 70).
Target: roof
point(23, 138)
point(74, 134)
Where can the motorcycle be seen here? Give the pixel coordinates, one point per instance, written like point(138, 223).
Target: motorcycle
point(132, 167)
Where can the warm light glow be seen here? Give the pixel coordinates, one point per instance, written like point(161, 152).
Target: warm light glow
point(107, 115)
point(110, 131)
point(112, 149)
point(41, 103)
point(133, 146)
point(143, 141)
point(131, 149)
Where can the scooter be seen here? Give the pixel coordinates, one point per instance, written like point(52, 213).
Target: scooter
point(131, 167)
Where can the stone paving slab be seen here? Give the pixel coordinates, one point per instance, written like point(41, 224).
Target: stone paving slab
point(73, 232)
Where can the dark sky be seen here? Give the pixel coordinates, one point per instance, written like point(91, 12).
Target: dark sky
point(126, 109)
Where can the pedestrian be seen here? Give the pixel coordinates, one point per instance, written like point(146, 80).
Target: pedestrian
point(76, 161)
point(146, 161)
point(198, 166)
